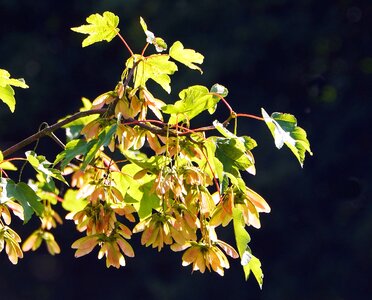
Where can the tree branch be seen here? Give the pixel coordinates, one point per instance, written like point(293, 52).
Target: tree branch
point(49, 129)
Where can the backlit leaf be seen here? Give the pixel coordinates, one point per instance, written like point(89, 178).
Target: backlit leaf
point(6, 165)
point(194, 100)
point(242, 237)
point(188, 57)
point(233, 155)
point(72, 149)
point(26, 196)
point(245, 142)
point(103, 139)
point(152, 164)
point(100, 28)
point(255, 266)
point(44, 167)
point(284, 129)
point(156, 67)
point(6, 91)
point(140, 192)
point(248, 261)
point(72, 203)
point(158, 42)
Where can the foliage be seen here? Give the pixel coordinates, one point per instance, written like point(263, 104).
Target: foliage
point(6, 90)
point(133, 159)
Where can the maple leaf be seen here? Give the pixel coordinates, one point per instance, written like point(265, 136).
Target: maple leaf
point(6, 91)
point(284, 129)
point(100, 28)
point(186, 56)
point(156, 67)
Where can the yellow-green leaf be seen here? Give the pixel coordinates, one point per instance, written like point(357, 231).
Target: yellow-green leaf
point(72, 203)
point(6, 91)
point(255, 266)
point(158, 42)
point(7, 165)
point(188, 57)
point(143, 24)
point(252, 263)
point(157, 67)
point(194, 100)
point(247, 259)
point(100, 28)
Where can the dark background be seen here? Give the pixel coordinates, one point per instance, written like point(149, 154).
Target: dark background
point(309, 58)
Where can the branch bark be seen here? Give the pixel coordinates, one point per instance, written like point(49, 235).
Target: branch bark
point(49, 129)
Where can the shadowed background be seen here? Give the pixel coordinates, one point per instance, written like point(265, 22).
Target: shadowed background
point(309, 58)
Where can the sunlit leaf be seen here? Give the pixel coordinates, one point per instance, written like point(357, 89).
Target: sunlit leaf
point(194, 100)
point(140, 192)
point(72, 203)
point(26, 196)
point(158, 42)
point(6, 91)
point(248, 261)
point(103, 139)
point(156, 67)
point(212, 166)
point(6, 165)
point(245, 142)
point(152, 164)
point(143, 24)
point(44, 167)
point(234, 156)
point(255, 266)
point(242, 237)
point(72, 150)
point(188, 57)
point(149, 200)
point(284, 129)
point(100, 28)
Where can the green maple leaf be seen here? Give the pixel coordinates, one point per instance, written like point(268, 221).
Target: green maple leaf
point(284, 129)
point(249, 262)
point(100, 28)
point(156, 67)
point(6, 91)
point(187, 57)
point(26, 196)
point(194, 100)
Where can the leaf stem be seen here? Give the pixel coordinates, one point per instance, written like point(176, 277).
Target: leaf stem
point(224, 101)
point(144, 49)
point(125, 43)
point(250, 116)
